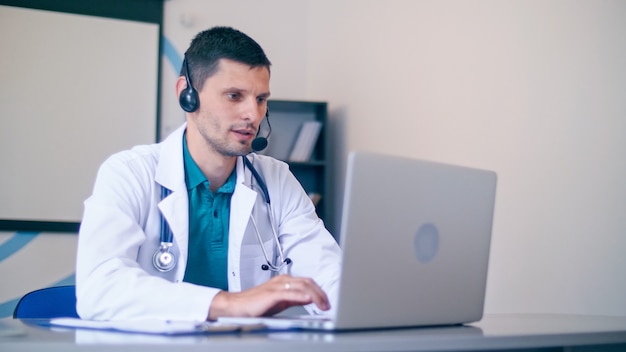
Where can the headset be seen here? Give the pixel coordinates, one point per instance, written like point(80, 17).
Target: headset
point(188, 98)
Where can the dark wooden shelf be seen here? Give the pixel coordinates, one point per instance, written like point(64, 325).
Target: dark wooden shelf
point(286, 118)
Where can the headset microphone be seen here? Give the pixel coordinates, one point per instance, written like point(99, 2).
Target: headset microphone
point(260, 143)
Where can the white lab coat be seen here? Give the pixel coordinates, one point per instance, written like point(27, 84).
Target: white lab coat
point(120, 231)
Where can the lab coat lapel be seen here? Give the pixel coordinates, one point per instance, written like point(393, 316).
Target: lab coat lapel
point(241, 205)
point(170, 174)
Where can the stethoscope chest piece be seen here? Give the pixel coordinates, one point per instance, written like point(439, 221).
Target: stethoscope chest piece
point(163, 259)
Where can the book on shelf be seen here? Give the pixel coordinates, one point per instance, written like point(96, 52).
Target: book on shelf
point(305, 142)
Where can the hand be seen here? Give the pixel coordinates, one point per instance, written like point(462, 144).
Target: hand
point(269, 298)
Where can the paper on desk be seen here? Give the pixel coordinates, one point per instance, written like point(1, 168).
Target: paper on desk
point(163, 327)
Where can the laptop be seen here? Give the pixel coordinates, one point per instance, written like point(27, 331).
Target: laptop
point(415, 237)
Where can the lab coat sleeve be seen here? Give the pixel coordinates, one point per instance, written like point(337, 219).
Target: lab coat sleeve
point(112, 284)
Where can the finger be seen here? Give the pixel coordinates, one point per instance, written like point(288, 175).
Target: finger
point(310, 291)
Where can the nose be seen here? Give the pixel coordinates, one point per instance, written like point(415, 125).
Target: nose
point(254, 111)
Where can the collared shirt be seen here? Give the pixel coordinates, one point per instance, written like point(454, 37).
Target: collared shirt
point(209, 214)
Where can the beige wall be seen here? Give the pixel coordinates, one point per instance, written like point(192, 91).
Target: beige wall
point(534, 90)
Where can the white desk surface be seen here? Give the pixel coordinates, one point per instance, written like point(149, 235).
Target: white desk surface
point(493, 333)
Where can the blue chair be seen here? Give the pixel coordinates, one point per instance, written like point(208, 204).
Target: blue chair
point(47, 303)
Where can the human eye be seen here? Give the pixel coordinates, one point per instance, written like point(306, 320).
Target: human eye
point(261, 100)
point(233, 96)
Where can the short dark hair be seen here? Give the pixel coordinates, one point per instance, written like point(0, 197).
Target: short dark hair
point(216, 43)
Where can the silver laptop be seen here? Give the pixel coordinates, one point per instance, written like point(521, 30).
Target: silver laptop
point(415, 237)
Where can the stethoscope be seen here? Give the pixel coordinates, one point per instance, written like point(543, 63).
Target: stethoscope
point(164, 260)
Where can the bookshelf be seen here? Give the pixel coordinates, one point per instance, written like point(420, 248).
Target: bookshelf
point(287, 118)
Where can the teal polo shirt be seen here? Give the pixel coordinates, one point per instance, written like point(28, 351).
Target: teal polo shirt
point(209, 213)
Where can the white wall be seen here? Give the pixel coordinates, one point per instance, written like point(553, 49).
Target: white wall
point(534, 90)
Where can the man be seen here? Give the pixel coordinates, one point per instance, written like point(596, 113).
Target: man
point(197, 185)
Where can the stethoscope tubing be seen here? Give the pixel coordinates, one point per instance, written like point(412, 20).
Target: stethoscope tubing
point(166, 230)
point(164, 260)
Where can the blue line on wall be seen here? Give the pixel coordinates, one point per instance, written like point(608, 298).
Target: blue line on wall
point(15, 243)
point(7, 308)
point(171, 54)
point(70, 280)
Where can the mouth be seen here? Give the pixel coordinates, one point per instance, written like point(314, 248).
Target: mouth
point(245, 133)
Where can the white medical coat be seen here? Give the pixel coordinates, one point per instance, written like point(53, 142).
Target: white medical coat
point(120, 231)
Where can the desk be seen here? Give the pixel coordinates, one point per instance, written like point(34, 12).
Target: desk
point(493, 333)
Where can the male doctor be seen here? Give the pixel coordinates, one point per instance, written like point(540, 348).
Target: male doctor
point(196, 186)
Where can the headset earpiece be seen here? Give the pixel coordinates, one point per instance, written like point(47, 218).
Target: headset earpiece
point(188, 98)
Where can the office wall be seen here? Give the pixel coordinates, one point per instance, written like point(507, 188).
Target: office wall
point(531, 89)
point(33, 260)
